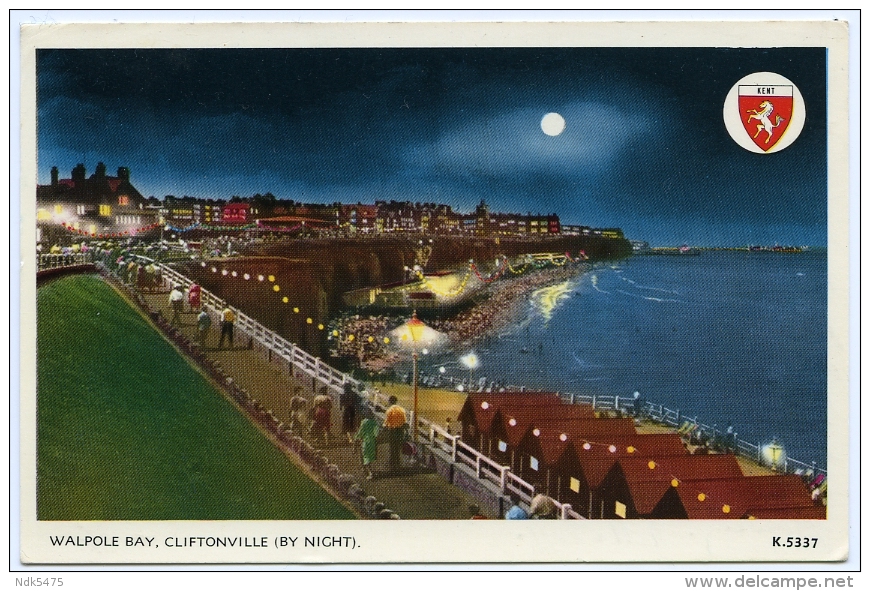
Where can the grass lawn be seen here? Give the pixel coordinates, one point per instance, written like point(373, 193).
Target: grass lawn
point(128, 430)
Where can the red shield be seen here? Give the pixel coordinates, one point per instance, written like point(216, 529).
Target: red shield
point(765, 111)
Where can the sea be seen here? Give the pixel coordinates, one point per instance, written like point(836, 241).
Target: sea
point(729, 337)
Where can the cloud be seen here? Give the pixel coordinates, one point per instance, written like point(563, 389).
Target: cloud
point(513, 144)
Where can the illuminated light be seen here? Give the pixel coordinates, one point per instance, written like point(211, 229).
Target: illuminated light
point(587, 446)
point(224, 272)
point(563, 437)
point(350, 337)
point(442, 369)
point(386, 340)
point(308, 320)
point(651, 465)
point(295, 310)
point(285, 299)
point(271, 278)
point(630, 449)
point(246, 276)
point(536, 432)
point(335, 333)
point(404, 337)
point(371, 339)
point(276, 287)
point(425, 351)
point(726, 508)
point(260, 277)
point(675, 483)
point(512, 422)
point(234, 274)
point(612, 449)
point(484, 405)
point(702, 497)
point(751, 517)
point(319, 327)
point(214, 269)
point(202, 264)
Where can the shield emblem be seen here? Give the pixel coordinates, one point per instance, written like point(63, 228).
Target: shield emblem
point(765, 111)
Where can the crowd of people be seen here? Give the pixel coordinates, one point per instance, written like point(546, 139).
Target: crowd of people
point(361, 339)
point(501, 307)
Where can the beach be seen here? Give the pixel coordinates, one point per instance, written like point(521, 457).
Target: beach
point(497, 307)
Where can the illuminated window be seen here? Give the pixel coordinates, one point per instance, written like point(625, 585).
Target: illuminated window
point(105, 210)
point(574, 485)
point(533, 463)
point(502, 446)
point(58, 209)
point(42, 214)
point(123, 200)
point(620, 509)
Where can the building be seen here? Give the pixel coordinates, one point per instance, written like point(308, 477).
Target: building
point(95, 206)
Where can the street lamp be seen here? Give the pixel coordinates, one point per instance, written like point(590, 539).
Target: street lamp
point(774, 455)
point(471, 361)
point(415, 329)
point(415, 333)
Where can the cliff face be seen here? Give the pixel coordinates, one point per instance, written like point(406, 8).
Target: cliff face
point(313, 274)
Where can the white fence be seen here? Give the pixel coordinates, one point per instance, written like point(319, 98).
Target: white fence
point(675, 418)
point(57, 261)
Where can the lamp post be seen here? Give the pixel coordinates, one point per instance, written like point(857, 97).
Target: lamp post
point(470, 361)
point(415, 328)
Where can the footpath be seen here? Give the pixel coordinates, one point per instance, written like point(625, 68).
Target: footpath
point(413, 492)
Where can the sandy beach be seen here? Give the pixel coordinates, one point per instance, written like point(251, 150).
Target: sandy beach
point(362, 338)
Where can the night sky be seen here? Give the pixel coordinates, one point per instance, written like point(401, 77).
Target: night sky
point(645, 147)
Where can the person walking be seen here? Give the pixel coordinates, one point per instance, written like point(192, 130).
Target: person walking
point(228, 319)
point(203, 326)
point(396, 429)
point(176, 300)
point(194, 297)
point(348, 401)
point(367, 435)
point(321, 418)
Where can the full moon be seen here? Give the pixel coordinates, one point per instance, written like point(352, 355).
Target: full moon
point(553, 124)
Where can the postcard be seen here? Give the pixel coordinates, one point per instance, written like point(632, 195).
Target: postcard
point(308, 293)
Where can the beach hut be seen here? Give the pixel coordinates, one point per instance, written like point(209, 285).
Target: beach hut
point(596, 457)
point(634, 487)
point(513, 422)
point(527, 442)
point(479, 411)
point(760, 497)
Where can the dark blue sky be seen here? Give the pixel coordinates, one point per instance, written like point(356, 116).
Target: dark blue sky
point(645, 147)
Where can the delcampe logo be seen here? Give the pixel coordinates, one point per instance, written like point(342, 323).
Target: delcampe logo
point(764, 112)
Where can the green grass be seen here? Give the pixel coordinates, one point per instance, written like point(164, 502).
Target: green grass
point(128, 430)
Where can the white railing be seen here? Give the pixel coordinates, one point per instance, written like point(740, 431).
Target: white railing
point(301, 360)
point(57, 261)
point(485, 468)
point(674, 418)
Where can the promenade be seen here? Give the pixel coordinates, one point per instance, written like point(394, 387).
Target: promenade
point(412, 493)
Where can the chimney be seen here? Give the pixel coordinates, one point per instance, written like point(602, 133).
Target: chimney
point(124, 173)
point(54, 176)
point(100, 172)
point(78, 173)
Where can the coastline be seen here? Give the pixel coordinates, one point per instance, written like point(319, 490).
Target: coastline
point(503, 303)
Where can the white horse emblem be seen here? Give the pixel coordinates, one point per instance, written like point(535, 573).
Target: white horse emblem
point(763, 117)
